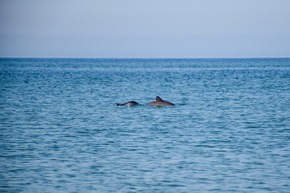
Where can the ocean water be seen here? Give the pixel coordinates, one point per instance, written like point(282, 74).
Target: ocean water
point(60, 130)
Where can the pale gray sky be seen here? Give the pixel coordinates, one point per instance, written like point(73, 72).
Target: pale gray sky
point(145, 29)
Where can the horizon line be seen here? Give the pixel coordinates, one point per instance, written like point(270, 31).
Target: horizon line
point(142, 58)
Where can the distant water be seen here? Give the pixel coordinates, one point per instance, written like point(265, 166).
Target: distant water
point(61, 132)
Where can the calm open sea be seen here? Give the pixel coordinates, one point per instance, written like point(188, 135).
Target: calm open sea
point(60, 130)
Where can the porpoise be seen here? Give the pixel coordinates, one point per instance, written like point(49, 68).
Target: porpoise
point(158, 102)
point(128, 104)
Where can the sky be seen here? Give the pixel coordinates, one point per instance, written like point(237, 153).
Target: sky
point(145, 29)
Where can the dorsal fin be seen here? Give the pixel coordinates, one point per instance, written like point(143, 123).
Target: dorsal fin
point(158, 98)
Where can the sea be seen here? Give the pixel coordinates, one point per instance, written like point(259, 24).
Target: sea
point(60, 130)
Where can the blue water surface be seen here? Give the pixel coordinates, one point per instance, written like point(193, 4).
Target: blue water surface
point(60, 130)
